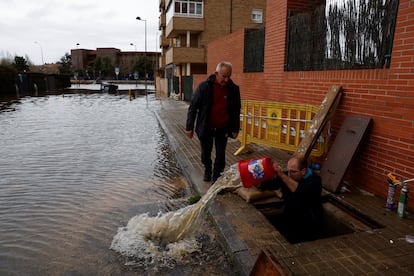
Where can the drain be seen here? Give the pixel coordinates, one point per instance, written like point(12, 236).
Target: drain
point(339, 219)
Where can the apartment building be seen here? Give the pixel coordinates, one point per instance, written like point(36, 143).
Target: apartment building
point(187, 26)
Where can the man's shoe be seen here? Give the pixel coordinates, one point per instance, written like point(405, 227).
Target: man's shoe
point(207, 176)
point(215, 177)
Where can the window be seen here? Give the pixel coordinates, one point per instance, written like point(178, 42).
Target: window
point(188, 8)
point(177, 42)
point(341, 34)
point(192, 8)
point(254, 41)
point(257, 16)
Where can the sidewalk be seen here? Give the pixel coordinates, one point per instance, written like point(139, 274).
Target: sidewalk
point(246, 232)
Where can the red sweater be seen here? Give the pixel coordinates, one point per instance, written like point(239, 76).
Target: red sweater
point(219, 112)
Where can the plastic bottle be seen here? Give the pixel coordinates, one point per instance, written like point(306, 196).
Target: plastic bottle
point(402, 204)
point(390, 197)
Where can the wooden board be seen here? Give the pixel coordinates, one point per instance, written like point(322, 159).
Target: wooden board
point(343, 150)
point(266, 264)
point(319, 121)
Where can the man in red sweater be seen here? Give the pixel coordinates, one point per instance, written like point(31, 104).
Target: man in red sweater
point(215, 112)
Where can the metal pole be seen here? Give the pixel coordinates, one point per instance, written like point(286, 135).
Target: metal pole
point(145, 61)
point(132, 44)
point(404, 181)
point(41, 51)
point(78, 65)
point(145, 64)
point(135, 55)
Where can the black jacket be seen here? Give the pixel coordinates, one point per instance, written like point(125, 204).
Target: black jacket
point(201, 103)
point(303, 216)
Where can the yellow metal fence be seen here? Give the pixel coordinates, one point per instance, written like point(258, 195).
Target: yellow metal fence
point(278, 125)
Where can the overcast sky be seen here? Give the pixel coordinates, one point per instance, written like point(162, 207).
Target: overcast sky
point(58, 25)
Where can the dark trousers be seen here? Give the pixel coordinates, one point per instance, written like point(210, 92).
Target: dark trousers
point(218, 137)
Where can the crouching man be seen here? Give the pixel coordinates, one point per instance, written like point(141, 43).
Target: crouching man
point(301, 218)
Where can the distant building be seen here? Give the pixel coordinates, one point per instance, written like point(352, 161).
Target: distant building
point(52, 68)
point(84, 60)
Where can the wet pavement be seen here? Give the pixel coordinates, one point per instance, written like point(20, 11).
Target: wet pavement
point(383, 248)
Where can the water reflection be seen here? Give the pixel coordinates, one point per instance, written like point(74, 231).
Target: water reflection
point(72, 170)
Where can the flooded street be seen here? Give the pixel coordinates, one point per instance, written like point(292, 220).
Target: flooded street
point(74, 169)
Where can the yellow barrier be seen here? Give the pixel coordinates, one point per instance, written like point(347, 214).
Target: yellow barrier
point(278, 125)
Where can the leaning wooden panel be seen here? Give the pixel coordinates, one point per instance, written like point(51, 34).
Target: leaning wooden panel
point(319, 121)
point(343, 150)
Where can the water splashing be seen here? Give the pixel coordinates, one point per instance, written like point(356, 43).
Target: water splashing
point(168, 237)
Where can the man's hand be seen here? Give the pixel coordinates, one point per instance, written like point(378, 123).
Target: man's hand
point(189, 133)
point(290, 182)
point(278, 169)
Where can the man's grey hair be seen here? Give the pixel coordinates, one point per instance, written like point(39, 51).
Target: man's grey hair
point(225, 64)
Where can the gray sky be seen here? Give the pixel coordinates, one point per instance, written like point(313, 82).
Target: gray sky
point(58, 25)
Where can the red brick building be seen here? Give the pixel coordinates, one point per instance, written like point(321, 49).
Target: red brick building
point(384, 94)
point(84, 59)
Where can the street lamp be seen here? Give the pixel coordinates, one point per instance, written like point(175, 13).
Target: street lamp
point(78, 64)
point(145, 64)
point(77, 57)
point(136, 72)
point(132, 44)
point(41, 51)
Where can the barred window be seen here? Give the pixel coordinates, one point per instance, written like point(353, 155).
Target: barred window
point(341, 34)
point(254, 41)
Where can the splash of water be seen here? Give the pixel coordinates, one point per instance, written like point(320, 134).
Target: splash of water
point(170, 235)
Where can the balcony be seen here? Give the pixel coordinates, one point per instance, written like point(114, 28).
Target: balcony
point(178, 55)
point(164, 42)
point(162, 21)
point(180, 25)
point(161, 61)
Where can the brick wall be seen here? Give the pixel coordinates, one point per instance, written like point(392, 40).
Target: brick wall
point(385, 95)
point(224, 17)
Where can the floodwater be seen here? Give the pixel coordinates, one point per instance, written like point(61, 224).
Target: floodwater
point(76, 169)
point(169, 236)
point(98, 87)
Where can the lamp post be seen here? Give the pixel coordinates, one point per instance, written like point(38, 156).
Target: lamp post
point(135, 72)
point(132, 44)
point(77, 57)
point(145, 61)
point(77, 67)
point(41, 51)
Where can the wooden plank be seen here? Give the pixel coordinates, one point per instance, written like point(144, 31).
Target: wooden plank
point(319, 121)
point(267, 265)
point(343, 150)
